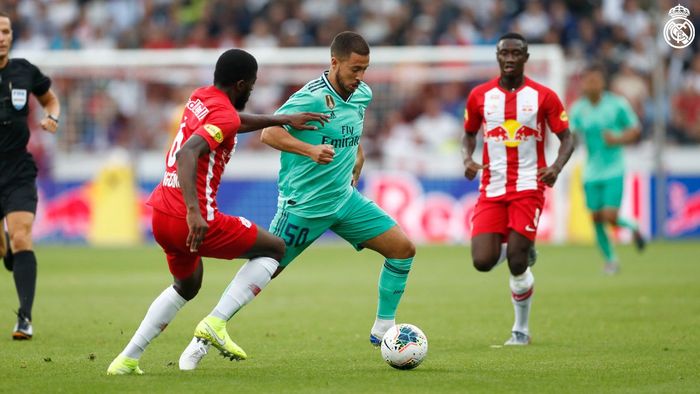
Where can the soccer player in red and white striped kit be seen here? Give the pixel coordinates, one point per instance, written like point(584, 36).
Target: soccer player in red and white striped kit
point(514, 112)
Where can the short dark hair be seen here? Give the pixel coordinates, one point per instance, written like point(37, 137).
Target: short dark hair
point(513, 36)
point(234, 65)
point(346, 43)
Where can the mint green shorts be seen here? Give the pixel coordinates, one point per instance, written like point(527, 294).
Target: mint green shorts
point(357, 221)
point(604, 194)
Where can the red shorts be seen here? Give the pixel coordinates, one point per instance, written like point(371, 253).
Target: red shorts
point(519, 212)
point(228, 237)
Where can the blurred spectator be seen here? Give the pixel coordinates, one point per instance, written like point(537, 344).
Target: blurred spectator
point(685, 113)
point(31, 40)
point(99, 39)
point(198, 37)
point(438, 128)
point(685, 116)
point(634, 20)
point(373, 27)
point(534, 22)
point(158, 37)
point(402, 146)
point(260, 36)
point(66, 39)
point(630, 84)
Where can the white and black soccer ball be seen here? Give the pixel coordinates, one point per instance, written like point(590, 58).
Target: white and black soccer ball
point(404, 346)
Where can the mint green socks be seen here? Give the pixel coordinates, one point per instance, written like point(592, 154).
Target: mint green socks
point(604, 243)
point(392, 281)
point(627, 223)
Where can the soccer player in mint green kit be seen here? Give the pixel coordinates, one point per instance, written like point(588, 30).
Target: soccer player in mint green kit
point(606, 122)
point(317, 180)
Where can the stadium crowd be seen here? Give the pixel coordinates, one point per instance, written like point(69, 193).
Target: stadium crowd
point(623, 34)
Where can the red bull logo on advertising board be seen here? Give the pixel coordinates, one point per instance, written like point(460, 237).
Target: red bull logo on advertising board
point(685, 210)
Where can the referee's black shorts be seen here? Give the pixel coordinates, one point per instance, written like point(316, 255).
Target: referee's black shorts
point(18, 192)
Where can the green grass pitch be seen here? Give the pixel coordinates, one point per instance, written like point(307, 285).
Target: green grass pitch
point(308, 331)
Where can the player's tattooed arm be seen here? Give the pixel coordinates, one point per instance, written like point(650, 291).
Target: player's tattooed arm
point(471, 168)
point(298, 121)
point(187, 158)
point(549, 175)
point(357, 169)
point(280, 139)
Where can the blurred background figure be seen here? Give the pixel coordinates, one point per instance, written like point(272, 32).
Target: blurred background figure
point(605, 122)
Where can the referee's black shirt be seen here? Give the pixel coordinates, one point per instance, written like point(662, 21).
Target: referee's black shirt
point(18, 79)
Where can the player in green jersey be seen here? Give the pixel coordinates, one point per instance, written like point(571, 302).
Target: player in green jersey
point(317, 180)
point(606, 122)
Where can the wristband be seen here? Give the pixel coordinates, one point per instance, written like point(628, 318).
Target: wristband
point(55, 119)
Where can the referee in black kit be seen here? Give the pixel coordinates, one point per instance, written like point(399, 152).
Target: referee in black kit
point(18, 194)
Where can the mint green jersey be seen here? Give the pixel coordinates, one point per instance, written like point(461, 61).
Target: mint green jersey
point(309, 189)
point(613, 114)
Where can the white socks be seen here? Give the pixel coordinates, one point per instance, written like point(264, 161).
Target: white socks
point(248, 282)
point(381, 326)
point(503, 256)
point(159, 315)
point(521, 287)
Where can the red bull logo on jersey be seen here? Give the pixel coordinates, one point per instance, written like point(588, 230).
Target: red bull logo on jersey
point(512, 133)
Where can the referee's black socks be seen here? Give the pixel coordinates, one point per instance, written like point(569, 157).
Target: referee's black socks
point(25, 280)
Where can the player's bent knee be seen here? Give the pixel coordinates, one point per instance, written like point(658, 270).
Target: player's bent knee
point(187, 292)
point(21, 241)
point(483, 265)
point(407, 250)
point(610, 218)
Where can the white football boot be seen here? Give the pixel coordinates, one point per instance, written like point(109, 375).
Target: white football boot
point(518, 339)
point(193, 354)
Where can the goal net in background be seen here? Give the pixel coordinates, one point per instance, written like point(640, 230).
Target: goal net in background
point(127, 104)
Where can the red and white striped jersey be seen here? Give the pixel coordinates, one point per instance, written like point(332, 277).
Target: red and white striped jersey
point(514, 126)
point(210, 115)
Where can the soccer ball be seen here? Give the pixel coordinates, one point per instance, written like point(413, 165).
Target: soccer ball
point(404, 346)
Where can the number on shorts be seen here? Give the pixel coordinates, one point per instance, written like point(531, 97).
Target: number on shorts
point(294, 235)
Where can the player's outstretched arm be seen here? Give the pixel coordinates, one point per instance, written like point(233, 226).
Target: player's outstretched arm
point(471, 168)
point(549, 175)
point(49, 101)
point(280, 139)
point(298, 121)
point(186, 158)
point(629, 136)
